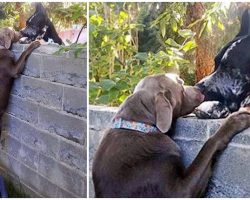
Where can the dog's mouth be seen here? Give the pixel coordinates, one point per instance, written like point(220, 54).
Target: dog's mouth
point(200, 96)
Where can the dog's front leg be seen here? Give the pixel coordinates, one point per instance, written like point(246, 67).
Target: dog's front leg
point(20, 63)
point(200, 170)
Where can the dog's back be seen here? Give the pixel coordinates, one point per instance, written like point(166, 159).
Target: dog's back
point(132, 164)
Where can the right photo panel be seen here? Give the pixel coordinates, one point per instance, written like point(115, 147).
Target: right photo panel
point(169, 95)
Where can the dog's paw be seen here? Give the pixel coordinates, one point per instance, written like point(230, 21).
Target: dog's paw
point(211, 110)
point(239, 120)
point(24, 40)
point(35, 44)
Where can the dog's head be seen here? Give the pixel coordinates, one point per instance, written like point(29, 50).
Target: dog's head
point(37, 24)
point(8, 36)
point(157, 100)
point(230, 81)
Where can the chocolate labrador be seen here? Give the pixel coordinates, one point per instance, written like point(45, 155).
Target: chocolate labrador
point(39, 26)
point(9, 68)
point(228, 87)
point(137, 157)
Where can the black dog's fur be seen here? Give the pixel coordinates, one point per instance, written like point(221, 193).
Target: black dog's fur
point(40, 26)
point(229, 85)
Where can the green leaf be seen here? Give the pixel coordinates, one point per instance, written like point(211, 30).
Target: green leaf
point(107, 84)
point(172, 43)
point(203, 27)
point(220, 25)
point(189, 45)
point(163, 28)
point(209, 25)
point(141, 56)
point(122, 98)
point(174, 26)
point(122, 85)
point(113, 94)
point(103, 99)
point(186, 33)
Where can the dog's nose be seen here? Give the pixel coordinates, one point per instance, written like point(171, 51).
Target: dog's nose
point(200, 86)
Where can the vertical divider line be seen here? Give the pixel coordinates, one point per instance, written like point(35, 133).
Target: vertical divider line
point(87, 146)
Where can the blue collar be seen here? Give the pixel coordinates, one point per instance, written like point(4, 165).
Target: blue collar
point(131, 125)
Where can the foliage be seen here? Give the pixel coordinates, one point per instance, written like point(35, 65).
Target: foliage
point(63, 14)
point(116, 66)
point(9, 13)
point(129, 41)
point(76, 48)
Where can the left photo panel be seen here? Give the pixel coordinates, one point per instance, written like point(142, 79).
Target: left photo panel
point(43, 99)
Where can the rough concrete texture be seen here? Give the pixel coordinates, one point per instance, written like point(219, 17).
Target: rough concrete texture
point(231, 173)
point(43, 144)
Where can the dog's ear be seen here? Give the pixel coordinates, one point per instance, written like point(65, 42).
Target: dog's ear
point(40, 8)
point(5, 41)
point(164, 112)
point(245, 24)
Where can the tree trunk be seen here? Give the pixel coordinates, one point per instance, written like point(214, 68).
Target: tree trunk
point(204, 53)
point(22, 21)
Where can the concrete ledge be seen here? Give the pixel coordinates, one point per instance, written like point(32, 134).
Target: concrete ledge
point(231, 176)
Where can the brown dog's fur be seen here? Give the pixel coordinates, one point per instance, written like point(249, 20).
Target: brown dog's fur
point(9, 68)
point(129, 163)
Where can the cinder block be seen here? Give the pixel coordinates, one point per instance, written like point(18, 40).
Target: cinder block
point(189, 150)
point(12, 126)
point(100, 117)
point(213, 125)
point(28, 156)
point(33, 65)
point(184, 128)
point(75, 101)
point(17, 86)
point(4, 161)
point(41, 91)
point(68, 126)
point(16, 47)
point(220, 189)
point(91, 189)
point(42, 141)
point(65, 70)
point(9, 162)
point(232, 168)
point(47, 49)
point(95, 138)
point(73, 155)
point(20, 152)
point(31, 136)
point(240, 138)
point(11, 146)
point(63, 176)
point(38, 182)
point(23, 109)
point(61, 193)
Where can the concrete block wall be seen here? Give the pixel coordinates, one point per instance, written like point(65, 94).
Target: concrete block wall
point(231, 174)
point(43, 144)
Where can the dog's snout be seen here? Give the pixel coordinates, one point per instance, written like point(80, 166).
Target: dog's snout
point(200, 86)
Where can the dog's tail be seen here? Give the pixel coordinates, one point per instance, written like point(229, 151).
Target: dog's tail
point(245, 24)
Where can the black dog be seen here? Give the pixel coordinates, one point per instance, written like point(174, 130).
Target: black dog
point(228, 87)
point(39, 26)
